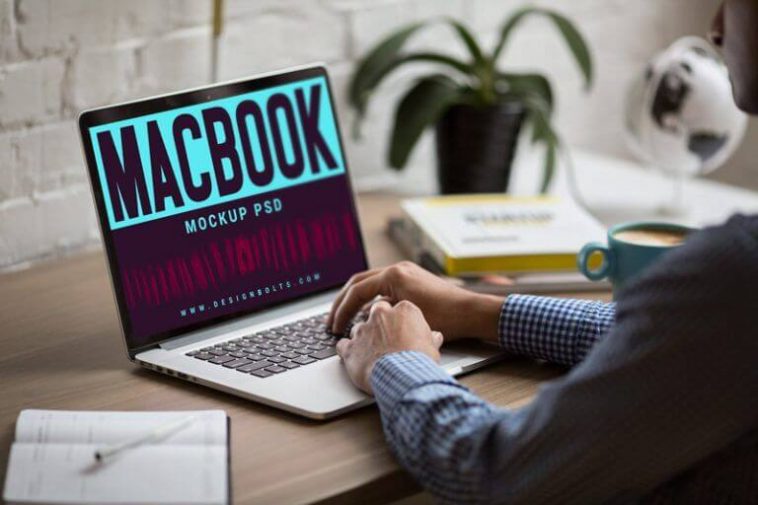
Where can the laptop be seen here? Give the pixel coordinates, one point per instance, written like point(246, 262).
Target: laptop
point(229, 224)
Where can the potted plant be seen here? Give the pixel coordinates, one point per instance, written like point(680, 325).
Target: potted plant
point(478, 109)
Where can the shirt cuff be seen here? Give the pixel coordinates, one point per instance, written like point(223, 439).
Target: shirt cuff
point(394, 375)
point(501, 322)
point(559, 330)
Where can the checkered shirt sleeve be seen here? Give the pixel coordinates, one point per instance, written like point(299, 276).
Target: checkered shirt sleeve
point(437, 428)
point(553, 329)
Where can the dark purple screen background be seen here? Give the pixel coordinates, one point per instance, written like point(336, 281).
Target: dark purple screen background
point(164, 271)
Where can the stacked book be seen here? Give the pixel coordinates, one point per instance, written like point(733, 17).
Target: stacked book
point(496, 243)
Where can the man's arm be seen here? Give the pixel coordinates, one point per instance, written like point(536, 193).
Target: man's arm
point(673, 382)
point(553, 329)
point(559, 330)
point(438, 430)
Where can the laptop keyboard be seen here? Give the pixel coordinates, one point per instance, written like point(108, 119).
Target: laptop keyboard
point(275, 350)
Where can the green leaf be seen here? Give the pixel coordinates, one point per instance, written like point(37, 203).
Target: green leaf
point(576, 43)
point(542, 132)
point(549, 168)
point(509, 25)
point(477, 54)
point(386, 57)
point(521, 85)
point(370, 86)
point(443, 59)
point(375, 65)
point(539, 114)
point(530, 83)
point(421, 107)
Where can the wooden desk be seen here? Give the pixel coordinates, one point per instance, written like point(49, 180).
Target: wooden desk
point(61, 349)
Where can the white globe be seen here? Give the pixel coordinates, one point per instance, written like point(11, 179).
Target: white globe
point(680, 114)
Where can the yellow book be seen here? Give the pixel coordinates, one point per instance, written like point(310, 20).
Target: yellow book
point(475, 234)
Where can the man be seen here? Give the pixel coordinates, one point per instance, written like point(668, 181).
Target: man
point(661, 405)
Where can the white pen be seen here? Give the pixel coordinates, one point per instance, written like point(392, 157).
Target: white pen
point(158, 433)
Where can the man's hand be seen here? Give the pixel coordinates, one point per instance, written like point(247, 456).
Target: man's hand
point(388, 329)
point(454, 311)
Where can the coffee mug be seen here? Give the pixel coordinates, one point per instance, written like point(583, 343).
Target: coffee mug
point(632, 247)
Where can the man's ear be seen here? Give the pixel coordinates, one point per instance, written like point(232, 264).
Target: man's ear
point(716, 34)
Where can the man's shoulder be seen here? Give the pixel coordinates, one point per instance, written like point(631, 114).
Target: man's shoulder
point(746, 222)
point(737, 238)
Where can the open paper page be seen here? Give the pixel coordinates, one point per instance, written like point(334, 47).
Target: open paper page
point(57, 473)
point(71, 427)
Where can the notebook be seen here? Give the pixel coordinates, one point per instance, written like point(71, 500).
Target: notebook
point(52, 459)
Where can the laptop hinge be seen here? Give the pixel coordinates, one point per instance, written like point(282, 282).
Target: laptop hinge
point(252, 320)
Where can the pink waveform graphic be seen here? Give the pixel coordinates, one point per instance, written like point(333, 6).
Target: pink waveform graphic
point(274, 248)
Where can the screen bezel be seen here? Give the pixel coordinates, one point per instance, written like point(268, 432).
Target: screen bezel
point(131, 110)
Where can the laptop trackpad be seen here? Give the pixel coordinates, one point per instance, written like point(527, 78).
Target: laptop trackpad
point(450, 357)
point(461, 356)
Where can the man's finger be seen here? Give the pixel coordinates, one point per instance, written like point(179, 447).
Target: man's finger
point(354, 279)
point(356, 296)
point(379, 305)
point(367, 307)
point(354, 331)
point(343, 346)
point(437, 339)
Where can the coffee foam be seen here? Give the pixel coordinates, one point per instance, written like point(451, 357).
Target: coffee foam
point(651, 237)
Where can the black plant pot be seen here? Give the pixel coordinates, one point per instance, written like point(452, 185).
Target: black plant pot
point(475, 147)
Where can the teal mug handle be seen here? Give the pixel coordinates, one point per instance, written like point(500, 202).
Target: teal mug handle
point(583, 261)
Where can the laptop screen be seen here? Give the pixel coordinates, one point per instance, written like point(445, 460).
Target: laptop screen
point(221, 202)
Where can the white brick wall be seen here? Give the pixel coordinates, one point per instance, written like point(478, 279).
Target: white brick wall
point(40, 83)
point(102, 75)
point(180, 59)
point(7, 31)
point(280, 34)
point(60, 56)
